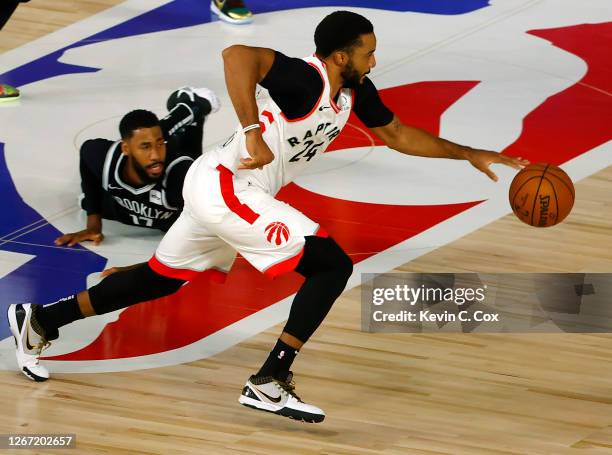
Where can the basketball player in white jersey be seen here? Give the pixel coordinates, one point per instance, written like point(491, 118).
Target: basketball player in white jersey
point(230, 204)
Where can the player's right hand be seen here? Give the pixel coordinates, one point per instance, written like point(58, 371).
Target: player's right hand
point(77, 237)
point(259, 151)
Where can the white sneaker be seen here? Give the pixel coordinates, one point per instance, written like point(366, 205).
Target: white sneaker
point(193, 94)
point(28, 341)
point(231, 11)
point(272, 395)
point(209, 95)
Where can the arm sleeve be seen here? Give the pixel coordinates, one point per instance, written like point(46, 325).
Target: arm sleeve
point(91, 164)
point(369, 107)
point(293, 84)
point(174, 184)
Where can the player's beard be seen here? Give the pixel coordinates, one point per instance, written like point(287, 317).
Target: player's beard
point(351, 76)
point(142, 172)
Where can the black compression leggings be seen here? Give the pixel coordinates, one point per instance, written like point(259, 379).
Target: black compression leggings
point(327, 268)
point(325, 265)
point(122, 289)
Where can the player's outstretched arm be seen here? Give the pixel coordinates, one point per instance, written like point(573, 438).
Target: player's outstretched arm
point(244, 67)
point(92, 233)
point(415, 141)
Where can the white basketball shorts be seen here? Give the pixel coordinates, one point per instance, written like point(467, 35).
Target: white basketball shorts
point(225, 214)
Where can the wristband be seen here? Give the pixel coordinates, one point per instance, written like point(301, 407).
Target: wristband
point(251, 127)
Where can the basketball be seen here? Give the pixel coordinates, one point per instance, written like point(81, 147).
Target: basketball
point(541, 195)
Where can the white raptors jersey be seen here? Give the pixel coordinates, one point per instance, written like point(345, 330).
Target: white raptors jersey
point(295, 143)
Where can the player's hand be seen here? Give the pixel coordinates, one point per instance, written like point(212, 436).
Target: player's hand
point(77, 237)
point(482, 159)
point(112, 270)
point(259, 151)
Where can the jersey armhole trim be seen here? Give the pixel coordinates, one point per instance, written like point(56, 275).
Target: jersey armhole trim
point(107, 163)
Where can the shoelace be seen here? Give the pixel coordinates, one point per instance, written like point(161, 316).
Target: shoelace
point(288, 388)
point(41, 347)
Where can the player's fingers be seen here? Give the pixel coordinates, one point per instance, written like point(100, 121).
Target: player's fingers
point(517, 163)
point(248, 163)
point(490, 173)
point(513, 163)
point(61, 240)
point(78, 239)
point(108, 272)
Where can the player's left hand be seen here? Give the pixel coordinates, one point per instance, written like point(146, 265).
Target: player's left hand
point(112, 270)
point(482, 159)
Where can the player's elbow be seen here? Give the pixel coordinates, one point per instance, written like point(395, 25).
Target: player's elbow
point(233, 51)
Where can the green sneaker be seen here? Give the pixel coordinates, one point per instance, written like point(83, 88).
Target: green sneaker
point(8, 93)
point(232, 11)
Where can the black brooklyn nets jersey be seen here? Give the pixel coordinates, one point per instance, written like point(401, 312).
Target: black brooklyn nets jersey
point(156, 205)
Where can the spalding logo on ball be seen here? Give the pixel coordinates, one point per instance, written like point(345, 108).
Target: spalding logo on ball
point(542, 195)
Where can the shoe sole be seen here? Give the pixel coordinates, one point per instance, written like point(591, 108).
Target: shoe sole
point(225, 18)
point(9, 99)
point(284, 412)
point(17, 336)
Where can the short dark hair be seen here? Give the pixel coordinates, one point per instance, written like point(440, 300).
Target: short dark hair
point(133, 120)
point(340, 30)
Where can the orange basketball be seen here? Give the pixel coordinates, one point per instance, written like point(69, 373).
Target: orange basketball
point(541, 195)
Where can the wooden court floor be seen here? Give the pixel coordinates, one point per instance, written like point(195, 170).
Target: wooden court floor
point(420, 394)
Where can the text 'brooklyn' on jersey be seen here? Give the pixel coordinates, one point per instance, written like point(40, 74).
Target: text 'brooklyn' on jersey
point(156, 205)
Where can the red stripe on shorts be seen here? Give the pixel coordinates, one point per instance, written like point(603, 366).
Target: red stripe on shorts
point(185, 274)
point(226, 178)
point(321, 232)
point(284, 266)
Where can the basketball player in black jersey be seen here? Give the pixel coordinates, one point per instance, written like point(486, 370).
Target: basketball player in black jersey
point(138, 180)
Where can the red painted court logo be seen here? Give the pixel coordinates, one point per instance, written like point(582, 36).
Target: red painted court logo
point(277, 233)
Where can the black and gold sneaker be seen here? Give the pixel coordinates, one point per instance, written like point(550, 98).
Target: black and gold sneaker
point(30, 340)
point(276, 396)
point(232, 11)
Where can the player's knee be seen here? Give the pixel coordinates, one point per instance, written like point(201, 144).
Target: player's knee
point(323, 254)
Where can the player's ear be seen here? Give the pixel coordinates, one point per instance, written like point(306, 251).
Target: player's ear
point(341, 58)
point(124, 147)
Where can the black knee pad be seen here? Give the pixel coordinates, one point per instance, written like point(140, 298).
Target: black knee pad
point(324, 254)
point(122, 289)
